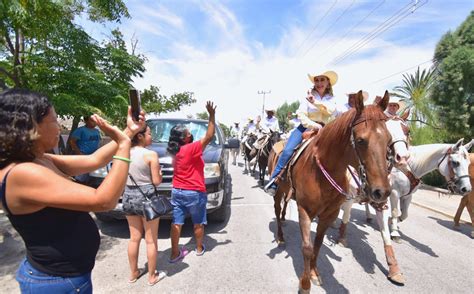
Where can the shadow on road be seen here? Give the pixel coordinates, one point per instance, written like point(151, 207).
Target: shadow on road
point(464, 229)
point(118, 229)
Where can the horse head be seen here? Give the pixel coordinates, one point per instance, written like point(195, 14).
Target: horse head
point(455, 167)
point(399, 145)
point(370, 139)
point(274, 137)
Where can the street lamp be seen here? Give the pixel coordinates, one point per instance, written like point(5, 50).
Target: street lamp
point(263, 104)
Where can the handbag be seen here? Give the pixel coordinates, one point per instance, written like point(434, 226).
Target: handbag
point(154, 206)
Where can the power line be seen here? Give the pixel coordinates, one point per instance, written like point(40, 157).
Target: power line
point(330, 27)
point(375, 31)
point(402, 71)
point(353, 27)
point(393, 20)
point(314, 28)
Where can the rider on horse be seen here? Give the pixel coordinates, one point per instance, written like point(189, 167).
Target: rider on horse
point(267, 126)
point(317, 109)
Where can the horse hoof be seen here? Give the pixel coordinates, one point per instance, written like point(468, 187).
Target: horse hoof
point(281, 244)
point(317, 281)
point(396, 239)
point(457, 227)
point(303, 291)
point(398, 279)
point(369, 220)
point(342, 242)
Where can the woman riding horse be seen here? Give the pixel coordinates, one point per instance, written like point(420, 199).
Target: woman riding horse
point(317, 109)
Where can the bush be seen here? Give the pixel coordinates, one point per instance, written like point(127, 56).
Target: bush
point(434, 179)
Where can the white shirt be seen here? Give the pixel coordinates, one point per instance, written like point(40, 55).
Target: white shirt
point(322, 109)
point(251, 128)
point(270, 124)
point(236, 132)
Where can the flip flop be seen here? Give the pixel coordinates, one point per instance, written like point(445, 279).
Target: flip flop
point(141, 271)
point(161, 276)
point(202, 251)
point(182, 253)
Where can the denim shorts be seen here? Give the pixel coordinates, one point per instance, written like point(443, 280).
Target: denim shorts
point(189, 202)
point(32, 281)
point(132, 198)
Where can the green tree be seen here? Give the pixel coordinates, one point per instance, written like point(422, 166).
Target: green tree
point(415, 92)
point(153, 101)
point(202, 115)
point(41, 48)
point(453, 90)
point(282, 114)
point(225, 129)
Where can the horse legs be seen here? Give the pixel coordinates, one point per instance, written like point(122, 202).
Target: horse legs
point(404, 204)
point(283, 212)
point(462, 204)
point(277, 206)
point(346, 208)
point(307, 249)
point(394, 218)
point(394, 272)
point(368, 216)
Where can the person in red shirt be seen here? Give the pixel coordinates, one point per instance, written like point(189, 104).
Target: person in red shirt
point(189, 190)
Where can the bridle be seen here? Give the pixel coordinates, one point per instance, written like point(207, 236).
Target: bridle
point(362, 183)
point(453, 180)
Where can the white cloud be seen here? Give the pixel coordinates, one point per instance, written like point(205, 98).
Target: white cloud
point(162, 14)
point(232, 75)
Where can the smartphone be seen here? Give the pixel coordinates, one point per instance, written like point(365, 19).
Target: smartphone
point(134, 98)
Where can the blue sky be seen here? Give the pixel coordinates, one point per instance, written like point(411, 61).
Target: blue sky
point(227, 51)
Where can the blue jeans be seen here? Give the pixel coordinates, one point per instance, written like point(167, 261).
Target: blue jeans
point(295, 138)
point(34, 281)
point(189, 202)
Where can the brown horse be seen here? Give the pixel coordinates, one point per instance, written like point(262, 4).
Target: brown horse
point(467, 200)
point(359, 138)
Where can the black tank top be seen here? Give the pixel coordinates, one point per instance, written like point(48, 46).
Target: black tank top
point(58, 242)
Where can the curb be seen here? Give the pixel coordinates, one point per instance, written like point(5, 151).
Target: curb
point(461, 220)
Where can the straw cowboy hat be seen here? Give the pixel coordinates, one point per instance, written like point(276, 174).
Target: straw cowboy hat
point(331, 75)
point(365, 94)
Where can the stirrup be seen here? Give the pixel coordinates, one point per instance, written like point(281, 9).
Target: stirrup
point(269, 184)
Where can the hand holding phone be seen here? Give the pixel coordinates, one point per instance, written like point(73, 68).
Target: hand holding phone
point(134, 98)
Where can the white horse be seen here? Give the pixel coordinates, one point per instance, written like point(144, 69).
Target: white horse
point(451, 160)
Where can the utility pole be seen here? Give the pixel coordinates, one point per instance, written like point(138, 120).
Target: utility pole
point(263, 104)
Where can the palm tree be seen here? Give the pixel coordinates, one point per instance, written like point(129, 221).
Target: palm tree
point(415, 93)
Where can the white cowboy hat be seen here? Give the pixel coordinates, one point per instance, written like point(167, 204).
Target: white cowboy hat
point(365, 94)
point(399, 101)
point(331, 75)
point(272, 109)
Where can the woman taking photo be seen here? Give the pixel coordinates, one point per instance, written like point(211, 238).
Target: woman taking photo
point(317, 109)
point(145, 174)
point(47, 208)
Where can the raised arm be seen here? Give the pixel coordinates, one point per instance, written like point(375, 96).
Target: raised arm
point(32, 187)
point(211, 127)
point(80, 164)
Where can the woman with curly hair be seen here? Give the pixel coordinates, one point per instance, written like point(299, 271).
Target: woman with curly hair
point(47, 208)
point(188, 195)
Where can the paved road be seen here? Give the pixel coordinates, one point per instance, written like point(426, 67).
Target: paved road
point(243, 257)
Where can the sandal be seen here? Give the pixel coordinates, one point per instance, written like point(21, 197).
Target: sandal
point(161, 276)
point(202, 251)
point(141, 272)
point(182, 253)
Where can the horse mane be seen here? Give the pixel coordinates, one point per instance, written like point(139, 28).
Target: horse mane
point(423, 155)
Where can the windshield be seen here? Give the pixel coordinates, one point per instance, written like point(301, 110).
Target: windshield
point(160, 130)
